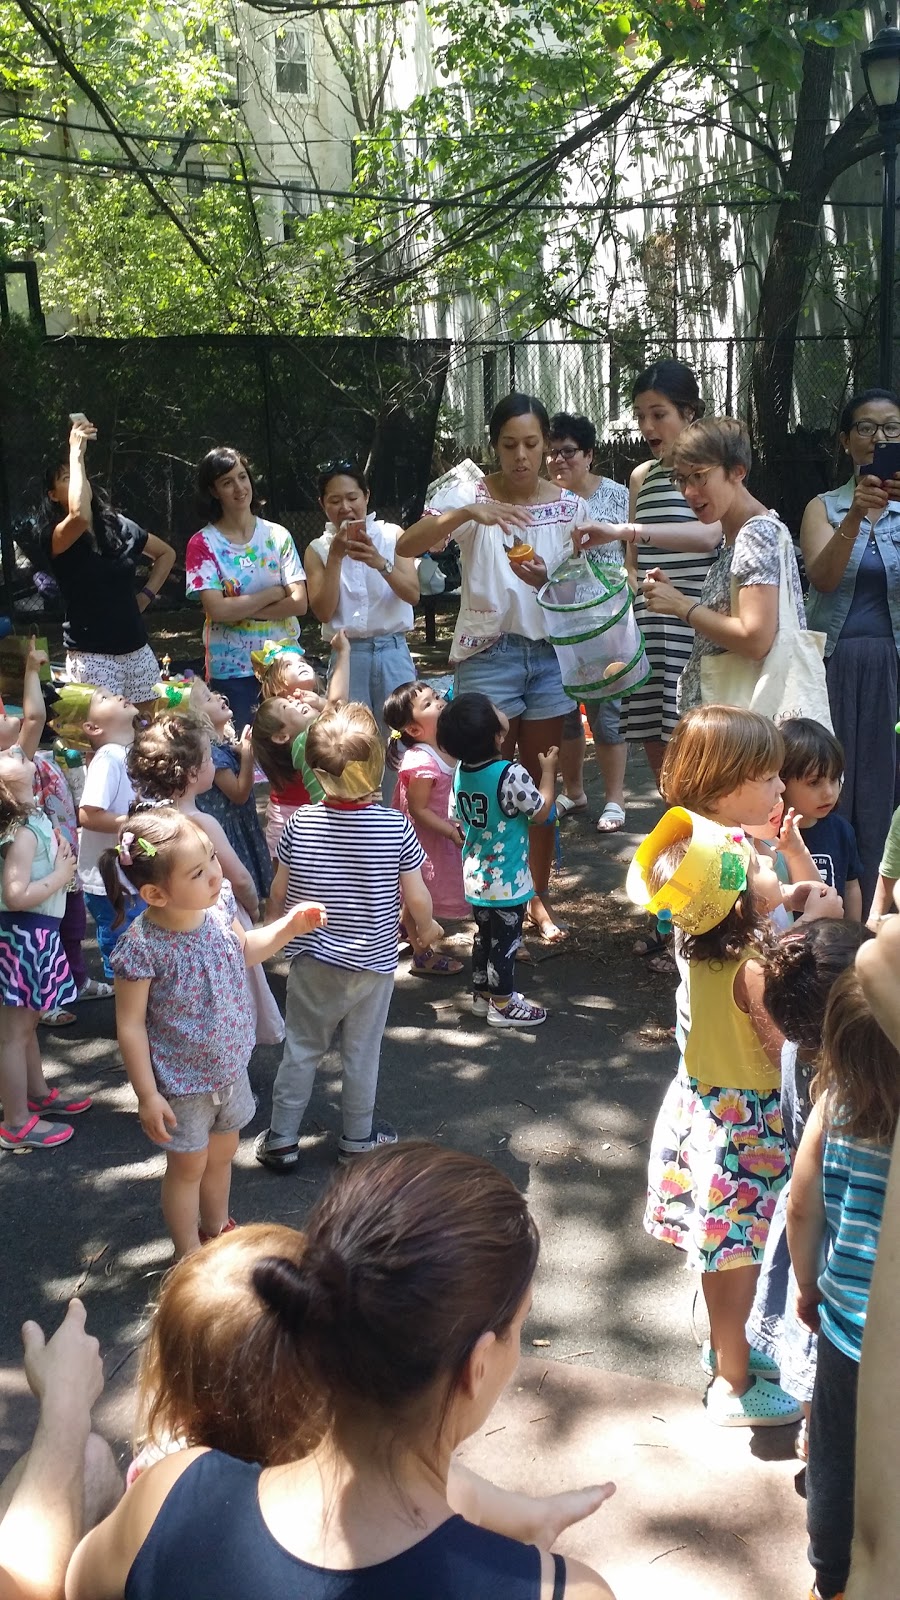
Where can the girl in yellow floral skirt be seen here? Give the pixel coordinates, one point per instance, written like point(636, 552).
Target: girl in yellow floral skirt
point(718, 1155)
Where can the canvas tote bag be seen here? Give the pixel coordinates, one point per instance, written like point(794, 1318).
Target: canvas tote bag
point(790, 681)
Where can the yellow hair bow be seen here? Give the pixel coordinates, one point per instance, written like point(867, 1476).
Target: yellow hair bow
point(263, 658)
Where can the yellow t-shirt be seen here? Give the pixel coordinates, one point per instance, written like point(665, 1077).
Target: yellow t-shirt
point(722, 1046)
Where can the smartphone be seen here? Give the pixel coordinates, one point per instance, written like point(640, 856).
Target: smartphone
point(885, 461)
point(77, 416)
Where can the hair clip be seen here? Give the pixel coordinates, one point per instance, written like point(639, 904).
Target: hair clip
point(395, 733)
point(125, 848)
point(664, 922)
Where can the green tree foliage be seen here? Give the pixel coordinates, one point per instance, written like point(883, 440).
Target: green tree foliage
point(504, 178)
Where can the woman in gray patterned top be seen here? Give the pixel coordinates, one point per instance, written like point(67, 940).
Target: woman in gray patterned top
point(570, 456)
point(710, 461)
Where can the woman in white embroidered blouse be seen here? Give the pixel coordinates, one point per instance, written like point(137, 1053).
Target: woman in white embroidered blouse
point(500, 643)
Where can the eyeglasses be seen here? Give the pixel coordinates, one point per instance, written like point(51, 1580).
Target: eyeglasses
point(334, 467)
point(868, 430)
point(691, 480)
point(565, 452)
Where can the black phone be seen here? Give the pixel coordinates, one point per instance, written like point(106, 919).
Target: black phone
point(885, 460)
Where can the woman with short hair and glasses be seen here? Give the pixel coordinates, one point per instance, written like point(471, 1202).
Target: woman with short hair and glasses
point(247, 574)
point(737, 610)
point(850, 539)
point(358, 582)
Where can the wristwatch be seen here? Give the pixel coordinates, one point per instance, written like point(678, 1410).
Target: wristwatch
point(388, 567)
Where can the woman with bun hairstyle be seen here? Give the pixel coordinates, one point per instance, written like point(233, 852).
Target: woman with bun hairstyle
point(411, 1238)
point(500, 646)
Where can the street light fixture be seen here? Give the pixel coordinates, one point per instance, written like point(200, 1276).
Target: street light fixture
point(881, 70)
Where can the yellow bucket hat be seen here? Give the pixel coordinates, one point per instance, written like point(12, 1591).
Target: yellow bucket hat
point(705, 885)
point(70, 713)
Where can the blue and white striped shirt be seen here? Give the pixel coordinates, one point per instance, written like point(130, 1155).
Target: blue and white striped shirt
point(351, 859)
point(854, 1176)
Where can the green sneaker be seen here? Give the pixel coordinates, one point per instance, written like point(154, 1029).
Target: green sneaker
point(763, 1405)
point(761, 1366)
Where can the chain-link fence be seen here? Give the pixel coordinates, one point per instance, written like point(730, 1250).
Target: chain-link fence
point(160, 404)
point(292, 404)
point(593, 377)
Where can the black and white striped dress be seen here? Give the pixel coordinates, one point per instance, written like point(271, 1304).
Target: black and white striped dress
point(651, 712)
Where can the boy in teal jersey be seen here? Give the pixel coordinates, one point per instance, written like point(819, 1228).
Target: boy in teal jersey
point(495, 801)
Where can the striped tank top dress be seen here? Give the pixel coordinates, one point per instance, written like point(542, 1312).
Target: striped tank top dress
point(651, 713)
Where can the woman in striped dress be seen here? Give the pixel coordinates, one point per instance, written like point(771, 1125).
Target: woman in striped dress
point(663, 533)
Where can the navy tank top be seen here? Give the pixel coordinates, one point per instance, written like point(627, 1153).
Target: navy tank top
point(210, 1542)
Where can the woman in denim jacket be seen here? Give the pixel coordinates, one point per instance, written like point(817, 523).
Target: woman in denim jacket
point(850, 540)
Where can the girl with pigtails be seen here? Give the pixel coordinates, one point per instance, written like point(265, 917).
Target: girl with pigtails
point(184, 1016)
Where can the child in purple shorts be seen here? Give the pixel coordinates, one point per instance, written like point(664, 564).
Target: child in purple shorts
point(184, 1016)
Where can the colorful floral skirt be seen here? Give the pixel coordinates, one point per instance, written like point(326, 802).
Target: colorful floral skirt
point(718, 1159)
point(34, 972)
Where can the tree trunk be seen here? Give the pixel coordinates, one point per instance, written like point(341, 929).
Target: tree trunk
point(817, 159)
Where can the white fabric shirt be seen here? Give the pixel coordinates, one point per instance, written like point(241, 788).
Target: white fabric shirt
point(367, 604)
point(494, 601)
point(108, 787)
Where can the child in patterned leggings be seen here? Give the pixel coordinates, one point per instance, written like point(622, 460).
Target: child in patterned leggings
point(496, 801)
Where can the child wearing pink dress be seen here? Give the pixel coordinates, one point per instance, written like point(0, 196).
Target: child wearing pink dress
point(424, 785)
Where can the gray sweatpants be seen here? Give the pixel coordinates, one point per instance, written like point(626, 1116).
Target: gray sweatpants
point(324, 1002)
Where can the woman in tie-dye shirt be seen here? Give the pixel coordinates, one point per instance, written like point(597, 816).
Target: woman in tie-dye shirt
point(247, 574)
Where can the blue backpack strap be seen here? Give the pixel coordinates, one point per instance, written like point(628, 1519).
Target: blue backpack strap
point(559, 1577)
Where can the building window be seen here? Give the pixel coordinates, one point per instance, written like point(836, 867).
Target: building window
point(295, 204)
point(195, 172)
point(292, 62)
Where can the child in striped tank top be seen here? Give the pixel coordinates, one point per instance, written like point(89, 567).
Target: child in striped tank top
point(834, 1221)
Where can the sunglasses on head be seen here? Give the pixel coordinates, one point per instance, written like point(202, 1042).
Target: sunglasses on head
point(333, 467)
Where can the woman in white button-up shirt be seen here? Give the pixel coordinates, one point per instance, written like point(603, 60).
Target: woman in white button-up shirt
point(357, 582)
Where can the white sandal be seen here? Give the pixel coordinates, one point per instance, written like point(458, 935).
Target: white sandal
point(612, 818)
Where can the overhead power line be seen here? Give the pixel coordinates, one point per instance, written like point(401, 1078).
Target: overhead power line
point(432, 203)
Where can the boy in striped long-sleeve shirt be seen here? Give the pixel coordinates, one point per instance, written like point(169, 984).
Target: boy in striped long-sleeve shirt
point(361, 854)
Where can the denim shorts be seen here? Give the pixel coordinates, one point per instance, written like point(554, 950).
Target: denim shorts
point(220, 1111)
point(603, 716)
point(521, 676)
point(378, 666)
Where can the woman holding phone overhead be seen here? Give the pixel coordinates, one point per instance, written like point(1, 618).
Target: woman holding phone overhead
point(850, 539)
point(94, 553)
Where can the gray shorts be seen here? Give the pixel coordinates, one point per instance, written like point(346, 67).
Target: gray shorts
point(603, 716)
point(215, 1111)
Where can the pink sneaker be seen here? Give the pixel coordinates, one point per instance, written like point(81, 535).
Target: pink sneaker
point(517, 1013)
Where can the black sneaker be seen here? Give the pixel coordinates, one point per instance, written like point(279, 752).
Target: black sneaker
point(349, 1149)
point(277, 1157)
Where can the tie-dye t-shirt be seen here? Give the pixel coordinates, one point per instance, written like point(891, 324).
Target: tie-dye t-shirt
point(213, 562)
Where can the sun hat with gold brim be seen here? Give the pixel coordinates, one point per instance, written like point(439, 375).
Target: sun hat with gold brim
point(358, 779)
point(705, 884)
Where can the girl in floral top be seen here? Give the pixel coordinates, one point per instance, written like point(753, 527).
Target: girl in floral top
point(247, 574)
point(184, 1016)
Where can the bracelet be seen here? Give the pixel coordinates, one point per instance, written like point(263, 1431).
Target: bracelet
point(848, 538)
point(150, 593)
point(690, 611)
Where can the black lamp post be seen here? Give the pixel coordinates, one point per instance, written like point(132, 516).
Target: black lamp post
point(881, 69)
